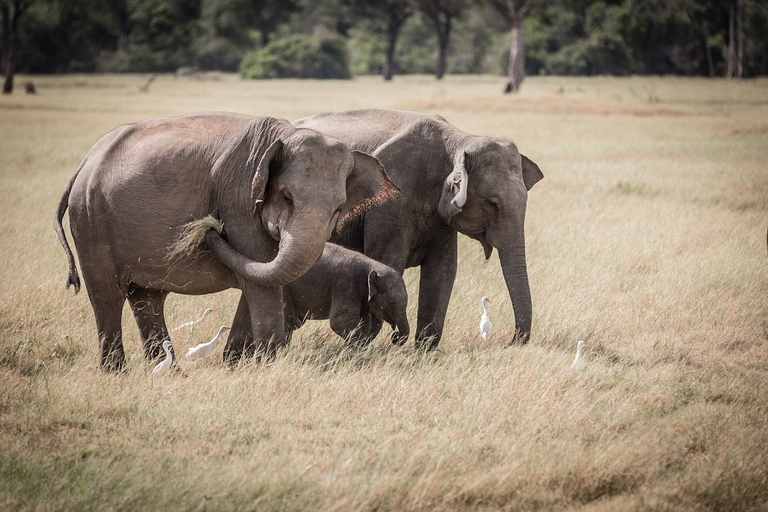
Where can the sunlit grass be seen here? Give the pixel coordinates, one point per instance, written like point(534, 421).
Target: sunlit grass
point(647, 238)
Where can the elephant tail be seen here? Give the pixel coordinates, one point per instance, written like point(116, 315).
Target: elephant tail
point(73, 278)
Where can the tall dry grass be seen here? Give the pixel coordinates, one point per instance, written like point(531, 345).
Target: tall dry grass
point(647, 238)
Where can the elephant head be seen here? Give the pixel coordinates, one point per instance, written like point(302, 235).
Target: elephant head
point(301, 187)
point(485, 198)
point(388, 299)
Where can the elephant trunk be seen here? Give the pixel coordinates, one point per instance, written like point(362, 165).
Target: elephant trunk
point(516, 276)
point(401, 331)
point(293, 259)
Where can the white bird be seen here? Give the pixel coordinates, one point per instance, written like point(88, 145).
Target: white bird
point(204, 349)
point(193, 323)
point(485, 322)
point(165, 364)
point(580, 345)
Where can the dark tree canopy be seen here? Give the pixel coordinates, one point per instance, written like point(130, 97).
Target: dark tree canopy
point(512, 37)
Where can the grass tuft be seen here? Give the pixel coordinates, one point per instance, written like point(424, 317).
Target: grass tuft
point(191, 241)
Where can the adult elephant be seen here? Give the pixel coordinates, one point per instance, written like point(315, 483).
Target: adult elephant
point(279, 191)
point(451, 182)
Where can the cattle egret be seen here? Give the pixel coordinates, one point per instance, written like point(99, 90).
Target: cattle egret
point(580, 345)
point(485, 323)
point(191, 325)
point(204, 349)
point(165, 364)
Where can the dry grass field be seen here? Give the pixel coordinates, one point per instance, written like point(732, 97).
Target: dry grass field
point(647, 238)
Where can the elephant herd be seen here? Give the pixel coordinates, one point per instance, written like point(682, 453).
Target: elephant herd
point(390, 189)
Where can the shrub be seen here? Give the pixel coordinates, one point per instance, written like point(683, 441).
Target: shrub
point(298, 56)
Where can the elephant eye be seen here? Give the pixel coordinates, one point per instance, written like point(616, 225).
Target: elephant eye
point(494, 203)
point(287, 197)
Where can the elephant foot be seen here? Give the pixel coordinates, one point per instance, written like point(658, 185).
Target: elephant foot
point(427, 343)
point(114, 362)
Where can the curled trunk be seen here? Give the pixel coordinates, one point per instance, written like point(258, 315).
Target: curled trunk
point(292, 261)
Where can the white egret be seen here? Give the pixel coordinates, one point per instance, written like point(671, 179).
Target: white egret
point(485, 322)
point(580, 345)
point(164, 365)
point(204, 349)
point(191, 325)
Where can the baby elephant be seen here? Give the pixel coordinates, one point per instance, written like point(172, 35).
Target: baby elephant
point(354, 291)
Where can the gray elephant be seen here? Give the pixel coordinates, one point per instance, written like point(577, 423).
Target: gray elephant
point(451, 182)
point(350, 289)
point(279, 191)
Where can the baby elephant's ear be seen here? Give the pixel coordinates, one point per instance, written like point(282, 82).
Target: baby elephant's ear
point(531, 172)
point(267, 162)
point(367, 187)
point(373, 278)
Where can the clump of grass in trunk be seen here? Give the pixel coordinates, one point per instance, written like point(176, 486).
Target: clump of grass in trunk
point(191, 242)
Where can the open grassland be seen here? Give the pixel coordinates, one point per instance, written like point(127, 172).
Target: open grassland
point(647, 238)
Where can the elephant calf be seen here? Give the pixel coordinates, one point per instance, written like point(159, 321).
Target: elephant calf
point(354, 291)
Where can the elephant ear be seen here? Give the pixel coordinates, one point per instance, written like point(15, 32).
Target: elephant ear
point(367, 186)
point(269, 161)
point(531, 172)
point(455, 188)
point(373, 278)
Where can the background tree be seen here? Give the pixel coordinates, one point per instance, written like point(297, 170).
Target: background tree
point(441, 13)
point(123, 10)
point(392, 14)
point(735, 41)
point(13, 11)
point(570, 37)
point(515, 11)
point(267, 15)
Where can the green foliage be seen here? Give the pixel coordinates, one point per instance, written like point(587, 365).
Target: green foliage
point(563, 37)
point(298, 56)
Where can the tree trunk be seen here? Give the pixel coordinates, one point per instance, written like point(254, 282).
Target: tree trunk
point(10, 54)
point(123, 24)
point(710, 63)
point(389, 66)
point(6, 42)
point(9, 70)
point(516, 70)
point(735, 46)
point(443, 35)
point(708, 51)
point(739, 42)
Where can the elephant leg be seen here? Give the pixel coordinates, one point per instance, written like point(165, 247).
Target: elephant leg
point(108, 325)
point(241, 333)
point(148, 308)
point(107, 299)
point(438, 272)
point(349, 322)
point(369, 330)
point(267, 320)
point(108, 311)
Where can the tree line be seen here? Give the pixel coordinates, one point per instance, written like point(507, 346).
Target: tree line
point(341, 38)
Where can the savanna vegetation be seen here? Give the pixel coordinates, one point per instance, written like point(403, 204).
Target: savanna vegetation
point(646, 238)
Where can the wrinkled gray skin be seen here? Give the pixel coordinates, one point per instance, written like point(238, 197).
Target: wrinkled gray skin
point(279, 191)
point(355, 292)
point(451, 182)
point(350, 289)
